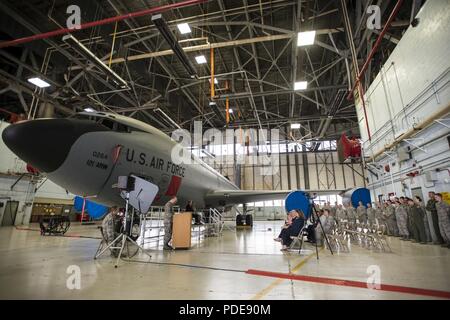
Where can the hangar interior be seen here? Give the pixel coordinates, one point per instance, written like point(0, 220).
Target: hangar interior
point(246, 66)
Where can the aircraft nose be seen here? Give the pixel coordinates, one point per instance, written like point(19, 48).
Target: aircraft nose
point(45, 143)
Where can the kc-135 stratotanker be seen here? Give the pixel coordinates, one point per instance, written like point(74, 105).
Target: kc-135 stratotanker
point(86, 153)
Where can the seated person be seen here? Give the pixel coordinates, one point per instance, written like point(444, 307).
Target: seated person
point(291, 230)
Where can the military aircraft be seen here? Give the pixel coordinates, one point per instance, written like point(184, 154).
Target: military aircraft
point(86, 153)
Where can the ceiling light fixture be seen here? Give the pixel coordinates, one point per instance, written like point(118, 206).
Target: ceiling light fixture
point(184, 28)
point(200, 59)
point(301, 85)
point(92, 58)
point(295, 125)
point(39, 82)
point(163, 28)
point(306, 38)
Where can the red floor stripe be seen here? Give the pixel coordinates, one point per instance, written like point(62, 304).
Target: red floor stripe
point(350, 283)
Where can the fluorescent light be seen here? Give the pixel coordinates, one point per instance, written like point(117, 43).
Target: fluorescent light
point(212, 103)
point(200, 59)
point(295, 125)
point(300, 85)
point(306, 38)
point(89, 109)
point(230, 110)
point(184, 28)
point(39, 82)
point(215, 81)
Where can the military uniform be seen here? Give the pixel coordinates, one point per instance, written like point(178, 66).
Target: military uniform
point(443, 213)
point(431, 208)
point(333, 211)
point(391, 220)
point(371, 215)
point(417, 225)
point(351, 214)
point(361, 214)
point(401, 215)
point(341, 214)
point(168, 222)
point(425, 223)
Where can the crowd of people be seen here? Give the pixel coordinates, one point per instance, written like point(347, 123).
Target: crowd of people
point(403, 217)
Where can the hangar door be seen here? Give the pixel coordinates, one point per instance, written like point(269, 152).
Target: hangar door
point(9, 215)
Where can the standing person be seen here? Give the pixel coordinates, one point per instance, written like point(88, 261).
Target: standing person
point(341, 214)
point(421, 206)
point(327, 224)
point(443, 213)
point(334, 210)
point(431, 208)
point(401, 215)
point(370, 214)
point(379, 218)
point(361, 213)
point(168, 222)
point(391, 220)
point(404, 201)
point(417, 223)
point(351, 213)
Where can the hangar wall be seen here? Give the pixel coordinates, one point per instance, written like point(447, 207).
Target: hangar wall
point(298, 170)
point(408, 110)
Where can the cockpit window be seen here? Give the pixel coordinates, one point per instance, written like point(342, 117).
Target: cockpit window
point(107, 123)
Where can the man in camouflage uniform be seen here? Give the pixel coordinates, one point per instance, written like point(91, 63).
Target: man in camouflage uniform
point(417, 223)
point(334, 209)
point(351, 213)
point(341, 214)
point(370, 214)
point(168, 222)
point(431, 208)
point(361, 213)
point(401, 215)
point(391, 221)
point(443, 213)
point(379, 217)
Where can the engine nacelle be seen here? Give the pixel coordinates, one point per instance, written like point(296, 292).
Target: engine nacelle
point(354, 196)
point(298, 200)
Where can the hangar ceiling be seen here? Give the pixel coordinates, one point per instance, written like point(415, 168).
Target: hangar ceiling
point(256, 61)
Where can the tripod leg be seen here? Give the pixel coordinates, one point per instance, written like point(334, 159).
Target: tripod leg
point(108, 246)
point(140, 248)
point(124, 238)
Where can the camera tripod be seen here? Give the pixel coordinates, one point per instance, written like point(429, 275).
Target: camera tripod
point(315, 215)
point(124, 237)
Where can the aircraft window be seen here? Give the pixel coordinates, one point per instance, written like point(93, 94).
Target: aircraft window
point(122, 128)
point(107, 123)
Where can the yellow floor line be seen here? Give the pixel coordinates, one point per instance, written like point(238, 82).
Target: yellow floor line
point(275, 283)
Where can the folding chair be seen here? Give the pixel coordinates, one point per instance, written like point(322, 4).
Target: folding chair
point(298, 239)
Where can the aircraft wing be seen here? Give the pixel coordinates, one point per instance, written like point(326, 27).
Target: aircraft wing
point(246, 196)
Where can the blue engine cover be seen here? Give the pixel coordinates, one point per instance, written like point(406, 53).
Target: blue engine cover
point(356, 195)
point(298, 200)
point(95, 210)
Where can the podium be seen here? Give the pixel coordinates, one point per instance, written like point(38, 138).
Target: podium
point(181, 232)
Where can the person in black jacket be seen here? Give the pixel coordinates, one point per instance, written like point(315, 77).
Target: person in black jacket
point(292, 230)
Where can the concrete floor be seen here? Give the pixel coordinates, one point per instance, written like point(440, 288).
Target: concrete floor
point(35, 267)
